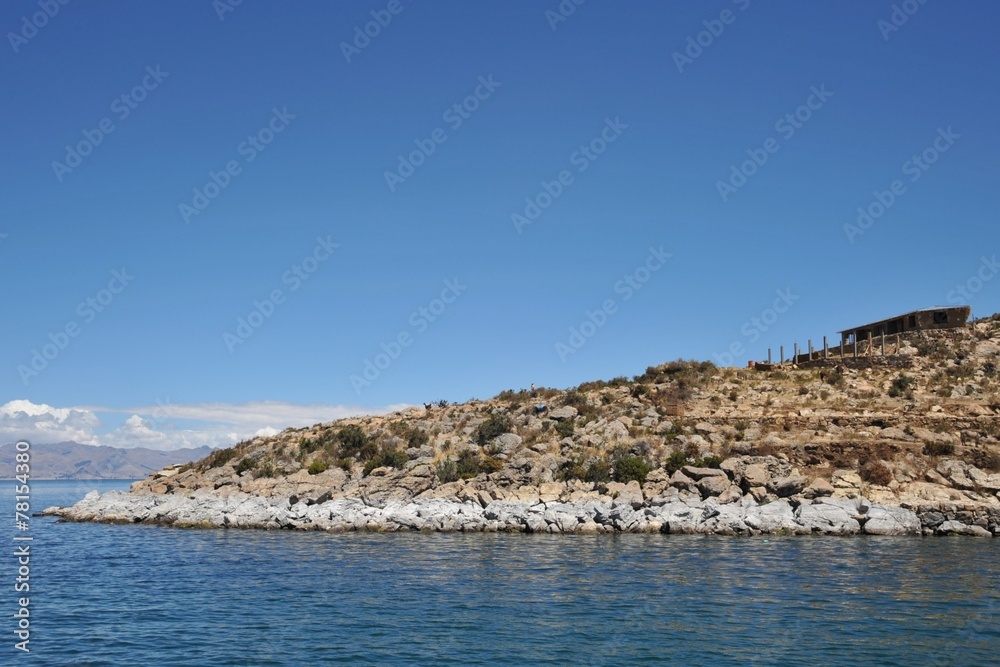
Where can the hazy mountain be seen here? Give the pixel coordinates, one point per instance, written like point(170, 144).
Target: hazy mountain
point(71, 460)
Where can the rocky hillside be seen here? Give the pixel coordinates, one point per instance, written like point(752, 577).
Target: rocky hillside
point(916, 430)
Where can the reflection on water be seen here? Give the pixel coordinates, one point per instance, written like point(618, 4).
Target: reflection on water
point(149, 595)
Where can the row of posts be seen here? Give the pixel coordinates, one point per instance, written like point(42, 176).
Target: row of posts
point(826, 349)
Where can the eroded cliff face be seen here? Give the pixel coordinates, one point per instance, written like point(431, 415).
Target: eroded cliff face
point(917, 431)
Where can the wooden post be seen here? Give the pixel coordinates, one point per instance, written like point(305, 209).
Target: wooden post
point(782, 354)
point(795, 357)
point(855, 346)
point(841, 348)
point(768, 356)
point(826, 349)
point(883, 343)
point(810, 349)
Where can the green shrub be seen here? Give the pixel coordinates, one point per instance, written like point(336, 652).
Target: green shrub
point(307, 446)
point(265, 469)
point(565, 428)
point(496, 424)
point(628, 468)
point(246, 463)
point(447, 471)
point(355, 442)
point(902, 386)
point(316, 467)
point(598, 471)
point(938, 449)
point(467, 465)
point(709, 462)
point(220, 457)
point(417, 438)
point(676, 461)
point(392, 458)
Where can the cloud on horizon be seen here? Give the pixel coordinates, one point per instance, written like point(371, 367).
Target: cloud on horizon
point(166, 426)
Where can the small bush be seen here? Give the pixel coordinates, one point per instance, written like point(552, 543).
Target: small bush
point(316, 467)
point(709, 462)
point(565, 428)
point(902, 386)
point(875, 472)
point(938, 449)
point(246, 463)
point(677, 460)
point(307, 446)
point(496, 424)
point(447, 471)
point(355, 442)
point(986, 459)
point(265, 469)
point(220, 457)
point(597, 472)
point(392, 458)
point(628, 468)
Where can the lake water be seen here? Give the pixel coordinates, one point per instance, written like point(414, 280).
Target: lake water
point(146, 595)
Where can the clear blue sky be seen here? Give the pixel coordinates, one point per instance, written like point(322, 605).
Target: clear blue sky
point(672, 131)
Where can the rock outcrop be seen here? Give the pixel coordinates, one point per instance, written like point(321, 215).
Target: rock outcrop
point(908, 447)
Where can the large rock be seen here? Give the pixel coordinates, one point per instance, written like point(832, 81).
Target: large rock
point(701, 473)
point(785, 487)
point(883, 520)
point(505, 444)
point(713, 485)
point(827, 519)
point(958, 528)
point(818, 488)
point(563, 413)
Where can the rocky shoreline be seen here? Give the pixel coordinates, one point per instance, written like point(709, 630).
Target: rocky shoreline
point(675, 512)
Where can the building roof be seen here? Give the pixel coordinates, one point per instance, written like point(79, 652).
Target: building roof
point(896, 317)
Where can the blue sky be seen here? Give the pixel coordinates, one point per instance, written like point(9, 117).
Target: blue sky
point(693, 167)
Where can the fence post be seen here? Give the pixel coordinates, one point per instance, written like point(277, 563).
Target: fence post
point(782, 354)
point(795, 357)
point(883, 343)
point(768, 356)
point(826, 349)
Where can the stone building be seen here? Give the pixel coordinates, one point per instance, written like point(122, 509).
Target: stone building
point(940, 317)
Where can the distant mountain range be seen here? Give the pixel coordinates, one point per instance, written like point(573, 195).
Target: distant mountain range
point(71, 460)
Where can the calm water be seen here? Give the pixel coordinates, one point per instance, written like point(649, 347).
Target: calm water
point(139, 595)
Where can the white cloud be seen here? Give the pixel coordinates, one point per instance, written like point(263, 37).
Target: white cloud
point(158, 427)
point(24, 420)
